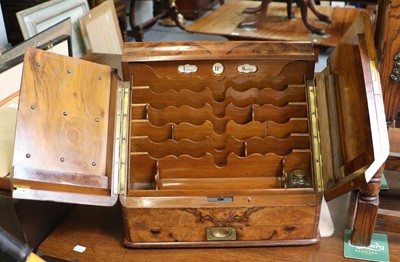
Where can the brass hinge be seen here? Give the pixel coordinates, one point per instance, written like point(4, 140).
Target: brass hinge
point(395, 76)
point(121, 134)
point(316, 139)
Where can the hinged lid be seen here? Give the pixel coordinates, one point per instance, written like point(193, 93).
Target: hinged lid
point(353, 134)
point(65, 130)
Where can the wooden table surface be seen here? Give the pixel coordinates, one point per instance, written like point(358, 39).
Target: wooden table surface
point(100, 230)
point(224, 20)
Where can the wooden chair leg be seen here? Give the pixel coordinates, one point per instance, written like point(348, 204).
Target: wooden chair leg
point(322, 17)
point(263, 8)
point(303, 4)
point(290, 14)
point(252, 10)
point(137, 30)
point(366, 211)
point(165, 9)
point(174, 15)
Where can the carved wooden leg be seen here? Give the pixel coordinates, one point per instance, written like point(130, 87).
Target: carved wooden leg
point(221, 2)
point(263, 13)
point(304, 16)
point(173, 13)
point(252, 10)
point(322, 17)
point(366, 212)
point(136, 31)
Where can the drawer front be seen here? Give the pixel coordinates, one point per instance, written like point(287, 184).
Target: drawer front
point(257, 223)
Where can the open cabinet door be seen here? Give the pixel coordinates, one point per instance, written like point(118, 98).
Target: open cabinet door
point(65, 130)
point(354, 140)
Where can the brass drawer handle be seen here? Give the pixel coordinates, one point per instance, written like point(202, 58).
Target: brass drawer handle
point(221, 233)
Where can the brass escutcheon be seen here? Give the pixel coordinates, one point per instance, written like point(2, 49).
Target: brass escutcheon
point(221, 233)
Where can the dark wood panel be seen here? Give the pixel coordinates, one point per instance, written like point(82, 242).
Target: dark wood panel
point(10, 8)
point(388, 45)
point(193, 9)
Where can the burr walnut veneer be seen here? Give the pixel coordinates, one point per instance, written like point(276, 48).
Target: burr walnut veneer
point(206, 143)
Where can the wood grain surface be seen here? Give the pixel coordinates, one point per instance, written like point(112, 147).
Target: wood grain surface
point(393, 162)
point(224, 20)
point(388, 45)
point(102, 238)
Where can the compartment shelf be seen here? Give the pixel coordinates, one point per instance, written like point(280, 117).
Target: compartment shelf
point(198, 132)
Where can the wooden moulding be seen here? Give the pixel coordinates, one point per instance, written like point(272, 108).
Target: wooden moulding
point(278, 146)
point(146, 52)
point(242, 132)
point(185, 146)
point(280, 115)
point(290, 72)
point(141, 127)
point(186, 167)
point(218, 183)
point(198, 99)
point(239, 115)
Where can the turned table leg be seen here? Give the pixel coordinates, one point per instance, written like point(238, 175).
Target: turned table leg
point(137, 30)
point(164, 8)
point(174, 15)
point(366, 211)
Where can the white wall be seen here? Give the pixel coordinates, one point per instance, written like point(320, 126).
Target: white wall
point(3, 34)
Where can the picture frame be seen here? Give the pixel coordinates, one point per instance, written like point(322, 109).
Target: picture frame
point(100, 30)
point(40, 17)
point(49, 37)
point(56, 39)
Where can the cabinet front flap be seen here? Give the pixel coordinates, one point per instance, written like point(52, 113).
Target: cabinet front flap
point(352, 119)
point(65, 128)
